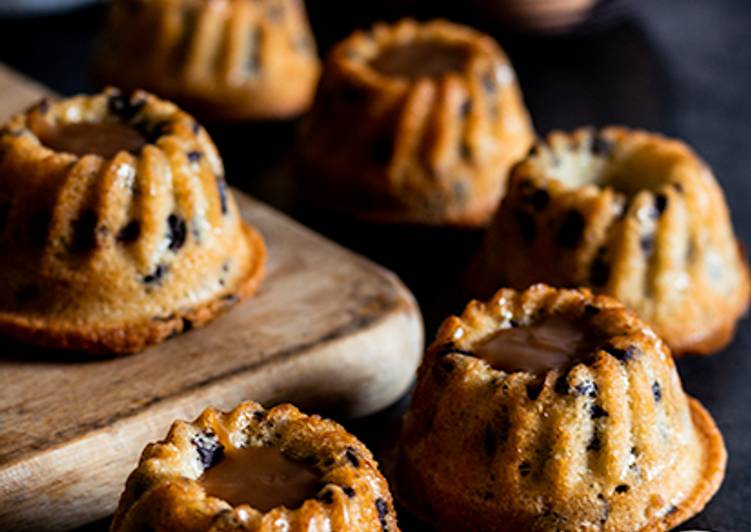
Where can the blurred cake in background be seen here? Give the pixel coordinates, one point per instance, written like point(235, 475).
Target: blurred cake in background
point(226, 60)
point(415, 123)
point(551, 16)
point(39, 7)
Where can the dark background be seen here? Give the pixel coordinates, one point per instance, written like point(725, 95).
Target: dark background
point(682, 67)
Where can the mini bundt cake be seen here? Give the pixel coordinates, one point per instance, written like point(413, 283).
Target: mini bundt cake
point(229, 60)
point(416, 123)
point(256, 470)
point(116, 225)
point(626, 213)
point(555, 410)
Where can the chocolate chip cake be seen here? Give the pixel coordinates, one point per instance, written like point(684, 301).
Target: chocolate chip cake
point(227, 60)
point(415, 123)
point(256, 470)
point(554, 409)
point(116, 225)
point(630, 214)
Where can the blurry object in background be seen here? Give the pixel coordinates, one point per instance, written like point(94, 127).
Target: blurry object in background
point(415, 123)
point(226, 60)
point(39, 7)
point(551, 16)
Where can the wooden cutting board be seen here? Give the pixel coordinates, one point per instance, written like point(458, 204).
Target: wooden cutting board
point(329, 331)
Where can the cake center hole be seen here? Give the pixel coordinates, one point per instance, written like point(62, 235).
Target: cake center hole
point(553, 343)
point(106, 138)
point(421, 59)
point(261, 477)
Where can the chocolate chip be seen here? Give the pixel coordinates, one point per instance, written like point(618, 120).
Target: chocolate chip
point(43, 106)
point(442, 370)
point(187, 325)
point(221, 186)
point(465, 150)
point(601, 146)
point(153, 131)
point(591, 310)
point(460, 190)
point(678, 187)
point(39, 227)
point(84, 238)
point(466, 107)
point(275, 12)
point(527, 226)
point(351, 455)
point(488, 81)
point(671, 509)
point(156, 276)
point(177, 232)
point(195, 127)
point(489, 442)
point(597, 412)
point(539, 199)
point(349, 492)
point(210, 450)
point(622, 488)
point(130, 232)
point(587, 388)
point(561, 385)
point(195, 156)
point(382, 508)
point(141, 485)
point(595, 443)
point(525, 468)
point(599, 272)
point(623, 355)
point(571, 230)
point(534, 151)
point(126, 107)
point(254, 59)
point(661, 203)
point(260, 415)
point(302, 43)
point(656, 391)
point(647, 244)
point(605, 509)
point(326, 497)
point(230, 298)
point(534, 390)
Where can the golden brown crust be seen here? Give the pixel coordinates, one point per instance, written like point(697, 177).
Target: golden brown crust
point(227, 60)
point(611, 443)
point(628, 213)
point(430, 147)
point(113, 253)
point(131, 338)
point(163, 494)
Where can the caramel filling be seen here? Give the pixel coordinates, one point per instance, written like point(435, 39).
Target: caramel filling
point(421, 59)
point(106, 139)
point(553, 343)
point(261, 477)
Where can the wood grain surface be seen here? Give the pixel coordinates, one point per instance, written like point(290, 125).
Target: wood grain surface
point(328, 330)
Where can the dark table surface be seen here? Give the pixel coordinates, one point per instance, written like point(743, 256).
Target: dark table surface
point(682, 67)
